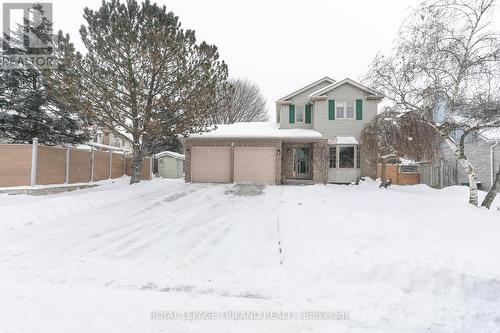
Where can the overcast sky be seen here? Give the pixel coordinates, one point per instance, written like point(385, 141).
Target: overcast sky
point(280, 45)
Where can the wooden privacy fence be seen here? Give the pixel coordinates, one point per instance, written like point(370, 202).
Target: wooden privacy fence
point(400, 174)
point(36, 164)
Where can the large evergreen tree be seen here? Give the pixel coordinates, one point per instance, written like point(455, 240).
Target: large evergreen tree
point(27, 108)
point(142, 75)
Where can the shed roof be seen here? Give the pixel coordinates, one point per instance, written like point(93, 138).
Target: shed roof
point(172, 154)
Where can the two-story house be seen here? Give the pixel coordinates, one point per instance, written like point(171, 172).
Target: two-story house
point(315, 139)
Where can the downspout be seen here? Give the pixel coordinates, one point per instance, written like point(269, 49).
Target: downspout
point(492, 171)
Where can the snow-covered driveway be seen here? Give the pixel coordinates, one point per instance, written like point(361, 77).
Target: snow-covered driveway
point(406, 259)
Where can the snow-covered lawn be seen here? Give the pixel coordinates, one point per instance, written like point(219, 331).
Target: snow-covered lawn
point(403, 259)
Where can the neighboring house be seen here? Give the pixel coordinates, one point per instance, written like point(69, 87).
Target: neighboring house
point(483, 151)
point(170, 164)
point(110, 139)
point(315, 139)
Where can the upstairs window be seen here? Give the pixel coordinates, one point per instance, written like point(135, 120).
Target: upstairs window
point(344, 110)
point(349, 110)
point(299, 114)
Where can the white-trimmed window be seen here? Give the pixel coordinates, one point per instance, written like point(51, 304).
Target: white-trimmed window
point(299, 114)
point(344, 110)
point(345, 157)
point(333, 157)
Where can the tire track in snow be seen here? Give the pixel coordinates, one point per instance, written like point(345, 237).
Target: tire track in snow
point(122, 237)
point(104, 237)
point(280, 249)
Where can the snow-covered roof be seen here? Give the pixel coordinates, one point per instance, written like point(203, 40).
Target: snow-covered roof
point(257, 130)
point(89, 145)
point(343, 140)
point(492, 134)
point(344, 81)
point(170, 154)
point(406, 161)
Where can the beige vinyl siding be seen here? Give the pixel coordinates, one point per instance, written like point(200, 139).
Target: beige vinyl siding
point(343, 127)
point(299, 100)
point(344, 176)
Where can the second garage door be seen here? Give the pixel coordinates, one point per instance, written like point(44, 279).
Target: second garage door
point(255, 164)
point(211, 164)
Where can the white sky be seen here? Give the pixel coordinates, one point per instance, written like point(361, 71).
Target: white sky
point(280, 45)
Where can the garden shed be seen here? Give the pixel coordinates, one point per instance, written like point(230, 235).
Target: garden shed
point(170, 164)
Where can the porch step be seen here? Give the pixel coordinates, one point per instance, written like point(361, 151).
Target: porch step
point(298, 182)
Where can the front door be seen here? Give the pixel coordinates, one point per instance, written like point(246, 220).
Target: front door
point(301, 162)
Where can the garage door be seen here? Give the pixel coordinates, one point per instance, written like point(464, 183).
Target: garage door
point(211, 164)
point(255, 164)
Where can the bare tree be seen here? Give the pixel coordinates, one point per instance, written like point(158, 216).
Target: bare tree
point(321, 160)
point(445, 69)
point(400, 134)
point(242, 102)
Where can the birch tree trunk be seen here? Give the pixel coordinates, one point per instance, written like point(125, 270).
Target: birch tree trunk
point(469, 170)
point(492, 193)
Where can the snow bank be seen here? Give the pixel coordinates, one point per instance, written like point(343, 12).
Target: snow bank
point(48, 207)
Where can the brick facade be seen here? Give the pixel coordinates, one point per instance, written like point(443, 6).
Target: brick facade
point(284, 156)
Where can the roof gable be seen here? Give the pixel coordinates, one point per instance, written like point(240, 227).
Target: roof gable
point(335, 85)
point(309, 86)
point(491, 134)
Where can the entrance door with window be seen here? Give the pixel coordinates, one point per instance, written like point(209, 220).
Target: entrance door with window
point(301, 157)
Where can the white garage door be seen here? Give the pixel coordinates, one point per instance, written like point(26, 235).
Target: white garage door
point(255, 164)
point(211, 164)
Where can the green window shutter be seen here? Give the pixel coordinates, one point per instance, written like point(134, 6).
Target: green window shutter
point(308, 113)
point(291, 113)
point(331, 109)
point(359, 109)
